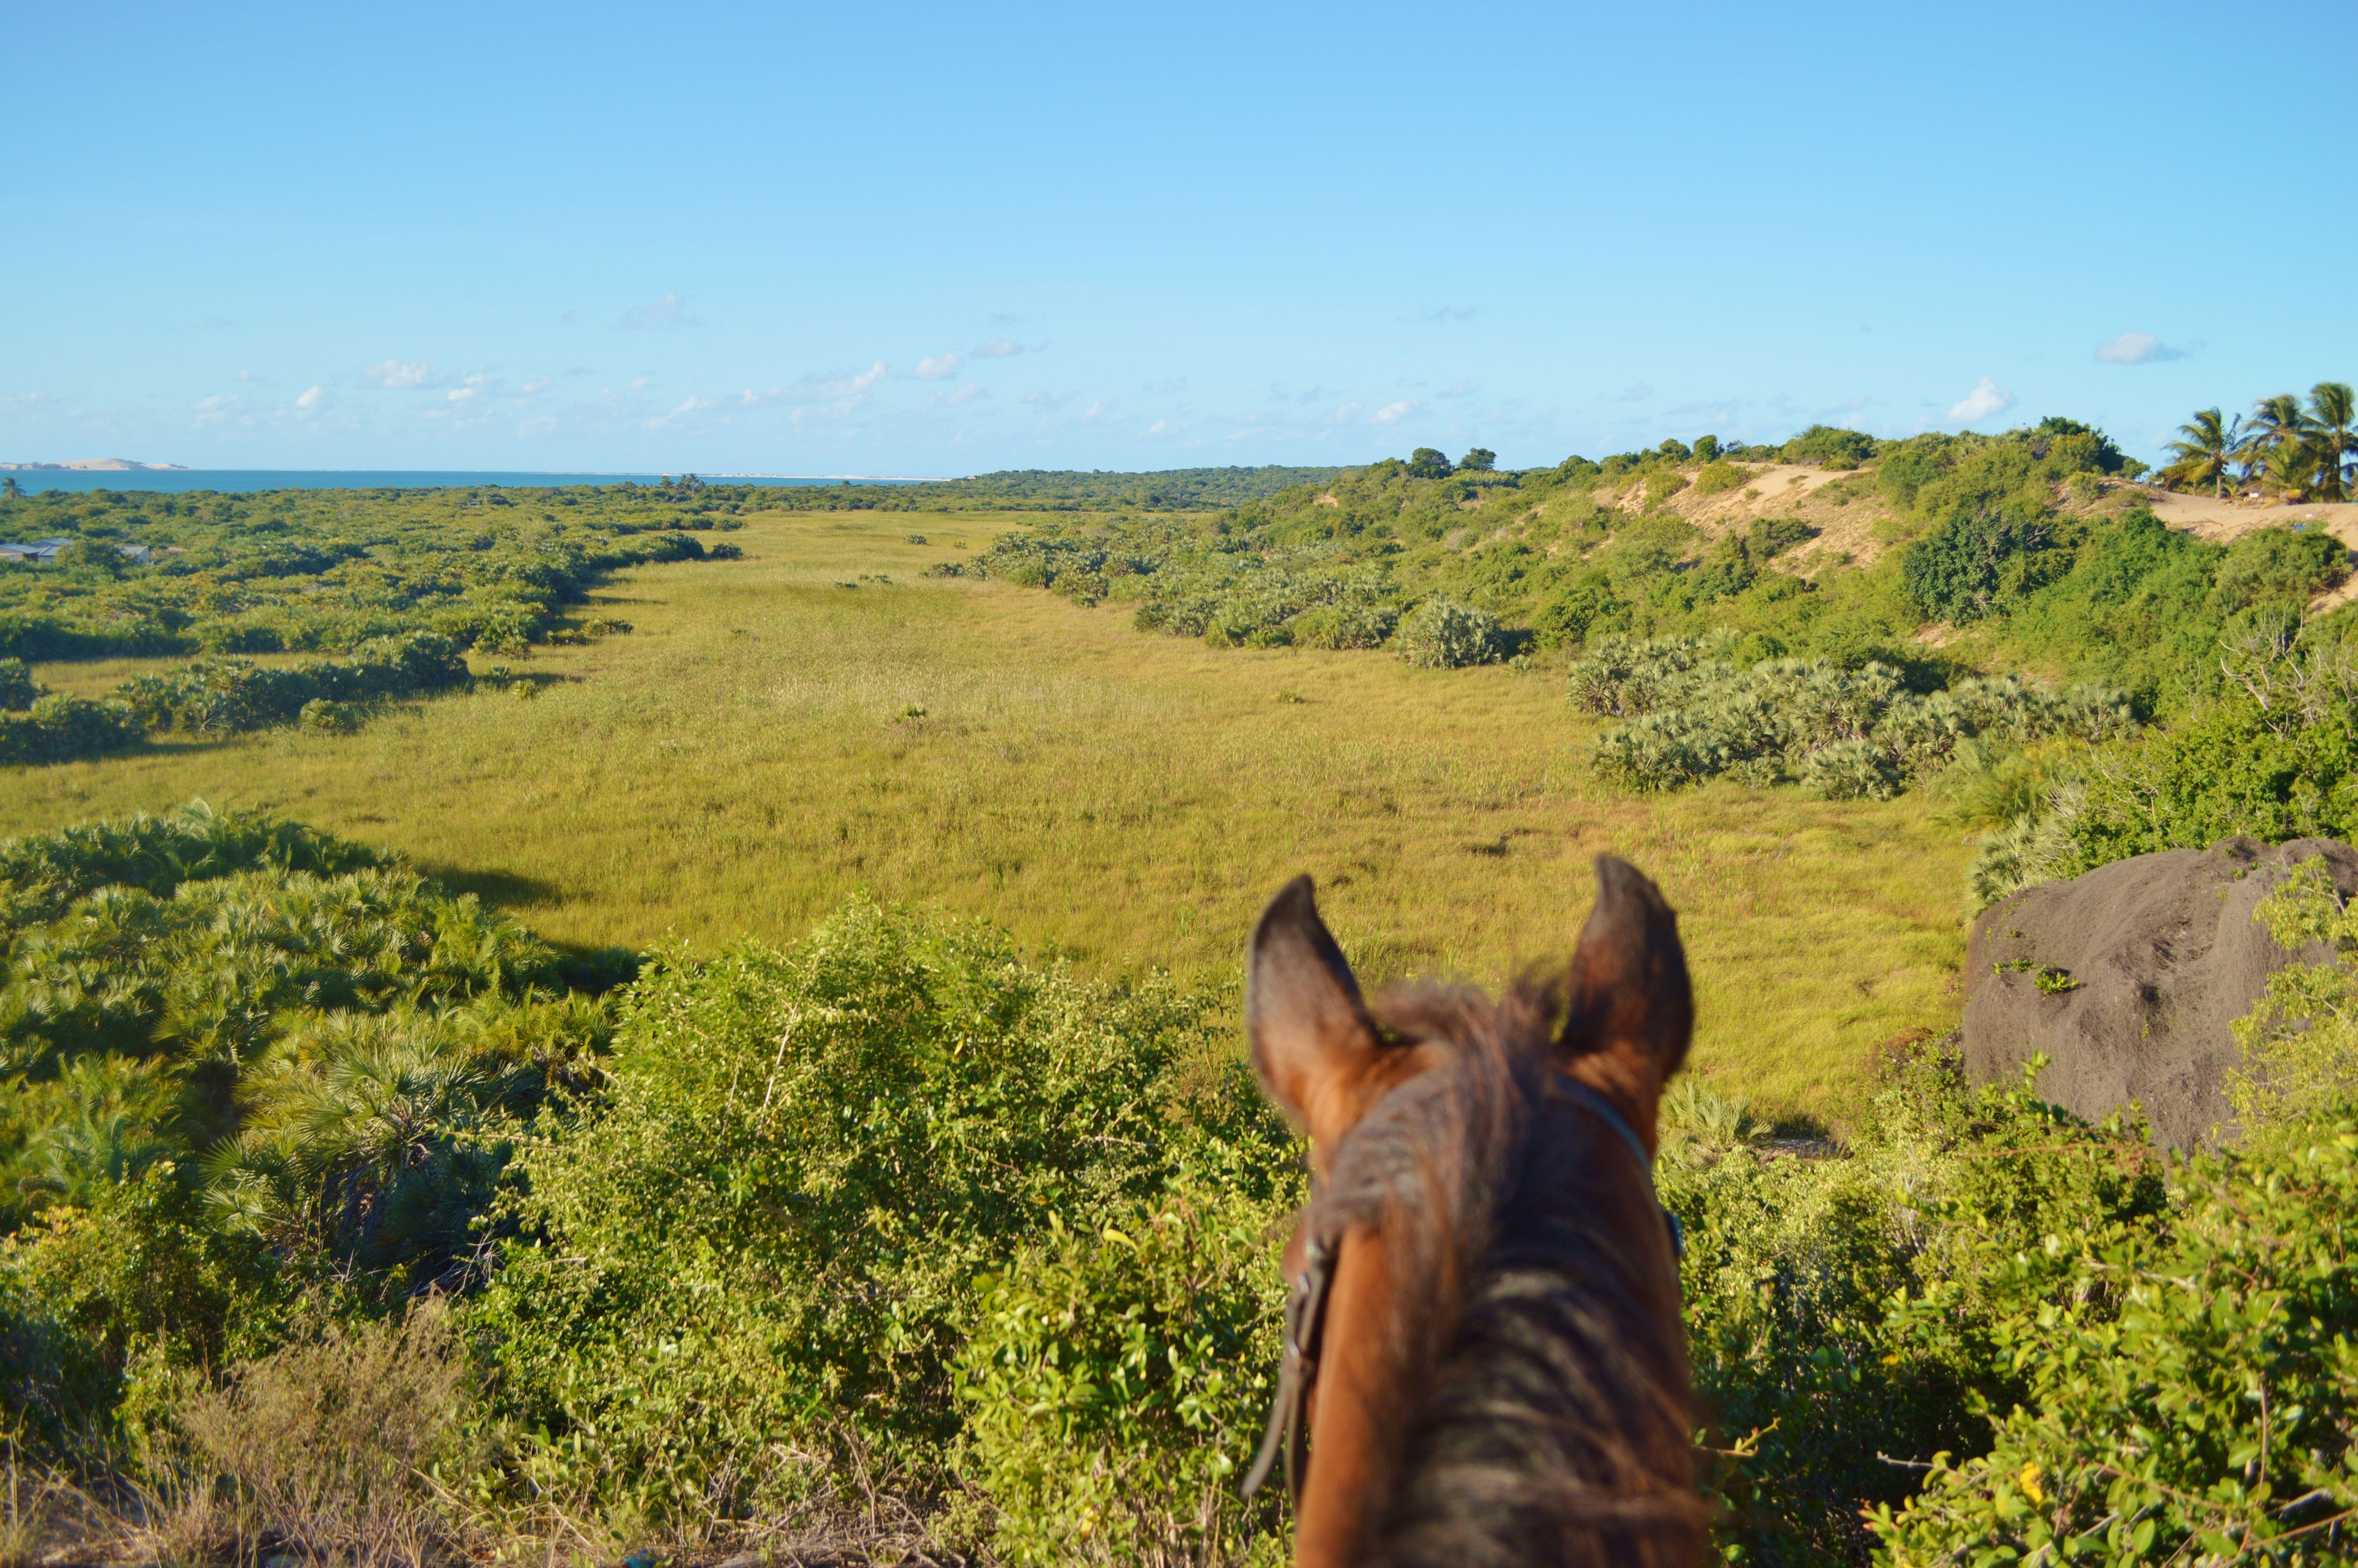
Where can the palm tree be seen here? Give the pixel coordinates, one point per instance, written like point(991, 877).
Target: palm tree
point(2332, 413)
point(2211, 441)
point(2279, 445)
point(9, 489)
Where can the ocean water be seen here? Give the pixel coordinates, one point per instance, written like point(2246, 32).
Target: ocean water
point(244, 480)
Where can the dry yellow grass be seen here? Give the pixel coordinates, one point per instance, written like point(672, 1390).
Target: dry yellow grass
point(752, 755)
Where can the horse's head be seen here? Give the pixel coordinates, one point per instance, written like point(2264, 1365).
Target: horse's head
point(1484, 1354)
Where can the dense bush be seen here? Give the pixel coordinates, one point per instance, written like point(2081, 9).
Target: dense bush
point(1441, 635)
point(1847, 733)
point(328, 570)
point(58, 728)
point(1114, 1384)
point(324, 1048)
point(222, 696)
point(814, 1161)
point(2276, 757)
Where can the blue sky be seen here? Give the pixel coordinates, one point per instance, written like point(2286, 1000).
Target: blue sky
point(938, 240)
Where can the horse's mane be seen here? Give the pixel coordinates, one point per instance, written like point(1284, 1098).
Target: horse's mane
point(1539, 1416)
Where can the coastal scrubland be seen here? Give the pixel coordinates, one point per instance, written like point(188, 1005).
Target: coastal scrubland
point(818, 719)
point(747, 1056)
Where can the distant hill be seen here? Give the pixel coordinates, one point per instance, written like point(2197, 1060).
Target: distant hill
point(96, 465)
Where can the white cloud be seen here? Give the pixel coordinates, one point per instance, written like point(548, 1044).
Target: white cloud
point(963, 395)
point(1986, 398)
point(692, 406)
point(311, 399)
point(940, 367)
point(216, 408)
point(1048, 399)
point(1346, 411)
point(665, 313)
point(639, 384)
point(399, 375)
point(1158, 428)
point(2136, 349)
point(540, 385)
point(996, 348)
point(1094, 410)
point(1458, 388)
point(1636, 391)
point(845, 388)
point(1392, 412)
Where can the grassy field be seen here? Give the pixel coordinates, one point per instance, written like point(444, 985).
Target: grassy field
point(769, 739)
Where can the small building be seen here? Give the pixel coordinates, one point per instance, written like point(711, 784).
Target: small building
point(42, 552)
point(39, 553)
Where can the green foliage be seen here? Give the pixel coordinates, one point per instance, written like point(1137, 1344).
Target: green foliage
point(1114, 1386)
point(2299, 1047)
point(1845, 734)
point(1165, 490)
point(1716, 477)
point(1440, 636)
point(2275, 757)
point(1831, 444)
point(325, 1049)
point(18, 691)
point(2188, 1390)
point(1978, 562)
point(1428, 462)
point(222, 696)
point(59, 727)
point(328, 570)
point(810, 1160)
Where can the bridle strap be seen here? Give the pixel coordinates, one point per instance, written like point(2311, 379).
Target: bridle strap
point(1305, 1315)
point(1305, 1323)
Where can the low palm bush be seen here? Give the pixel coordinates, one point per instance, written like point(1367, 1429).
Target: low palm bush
point(1441, 634)
point(1846, 733)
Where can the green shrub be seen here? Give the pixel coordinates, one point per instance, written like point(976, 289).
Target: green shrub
point(1442, 635)
point(2299, 1047)
point(1349, 625)
point(324, 716)
point(18, 691)
point(769, 1229)
point(1114, 1385)
point(1831, 444)
point(1847, 733)
point(1979, 562)
point(59, 729)
point(1718, 476)
point(225, 696)
point(2189, 1391)
point(1851, 770)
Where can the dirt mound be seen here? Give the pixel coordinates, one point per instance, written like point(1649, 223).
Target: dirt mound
point(2127, 979)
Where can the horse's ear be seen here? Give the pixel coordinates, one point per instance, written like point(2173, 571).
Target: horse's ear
point(1302, 1008)
point(1628, 991)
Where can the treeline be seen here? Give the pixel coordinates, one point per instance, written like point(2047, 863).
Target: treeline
point(1051, 489)
point(326, 571)
point(2288, 450)
point(345, 1206)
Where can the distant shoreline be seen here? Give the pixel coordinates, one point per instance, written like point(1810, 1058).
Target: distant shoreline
point(58, 477)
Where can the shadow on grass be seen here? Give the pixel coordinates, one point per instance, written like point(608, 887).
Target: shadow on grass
point(504, 889)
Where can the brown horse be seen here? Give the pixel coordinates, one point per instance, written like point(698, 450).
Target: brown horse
point(1484, 1355)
